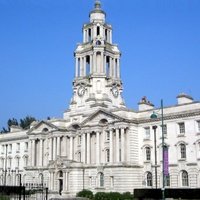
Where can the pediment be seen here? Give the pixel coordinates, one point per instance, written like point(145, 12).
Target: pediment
point(101, 116)
point(42, 126)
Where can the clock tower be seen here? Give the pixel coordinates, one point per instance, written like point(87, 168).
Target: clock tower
point(97, 80)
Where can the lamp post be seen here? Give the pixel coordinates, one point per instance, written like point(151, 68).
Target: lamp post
point(155, 151)
point(6, 164)
point(154, 116)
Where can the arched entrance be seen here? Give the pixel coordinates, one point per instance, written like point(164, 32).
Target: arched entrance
point(60, 182)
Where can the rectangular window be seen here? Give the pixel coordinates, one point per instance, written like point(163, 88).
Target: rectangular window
point(147, 132)
point(79, 140)
point(198, 126)
point(10, 148)
point(167, 180)
point(18, 147)
point(107, 136)
point(181, 128)
point(26, 146)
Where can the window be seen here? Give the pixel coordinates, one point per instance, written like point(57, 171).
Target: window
point(17, 162)
point(18, 147)
point(107, 155)
point(10, 148)
point(198, 126)
point(184, 177)
point(149, 179)
point(107, 136)
point(182, 128)
point(147, 132)
point(183, 151)
point(167, 180)
point(79, 156)
point(98, 30)
point(101, 179)
point(148, 153)
point(79, 140)
point(25, 161)
point(9, 162)
point(26, 146)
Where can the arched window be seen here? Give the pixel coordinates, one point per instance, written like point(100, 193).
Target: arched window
point(79, 156)
point(183, 151)
point(184, 177)
point(101, 179)
point(107, 155)
point(148, 153)
point(149, 179)
point(45, 130)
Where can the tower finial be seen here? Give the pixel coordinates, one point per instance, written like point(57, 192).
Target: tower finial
point(97, 5)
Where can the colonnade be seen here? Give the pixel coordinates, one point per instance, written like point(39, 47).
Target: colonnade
point(117, 145)
point(97, 62)
point(90, 33)
point(92, 147)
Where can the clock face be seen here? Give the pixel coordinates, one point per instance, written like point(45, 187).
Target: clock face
point(115, 91)
point(81, 91)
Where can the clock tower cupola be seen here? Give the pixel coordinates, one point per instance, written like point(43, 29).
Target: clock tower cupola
point(97, 65)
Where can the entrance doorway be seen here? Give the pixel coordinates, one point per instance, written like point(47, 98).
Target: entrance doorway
point(60, 182)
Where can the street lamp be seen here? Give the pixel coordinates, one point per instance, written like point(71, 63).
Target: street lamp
point(6, 164)
point(154, 116)
point(155, 151)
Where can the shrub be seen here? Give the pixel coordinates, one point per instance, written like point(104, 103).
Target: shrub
point(114, 196)
point(101, 196)
point(127, 196)
point(85, 193)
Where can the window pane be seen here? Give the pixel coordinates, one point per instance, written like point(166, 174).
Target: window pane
point(147, 132)
point(184, 178)
point(183, 150)
point(181, 128)
point(149, 179)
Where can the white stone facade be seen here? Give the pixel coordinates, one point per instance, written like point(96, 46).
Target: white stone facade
point(100, 144)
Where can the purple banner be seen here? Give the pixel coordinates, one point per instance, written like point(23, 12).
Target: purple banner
point(166, 162)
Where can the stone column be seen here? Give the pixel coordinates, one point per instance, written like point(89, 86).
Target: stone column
point(41, 153)
point(29, 153)
point(110, 66)
point(81, 66)
point(105, 72)
point(97, 147)
point(117, 145)
point(111, 146)
point(76, 67)
point(83, 148)
point(122, 145)
point(71, 148)
point(84, 66)
point(58, 146)
point(110, 33)
point(33, 152)
point(54, 148)
point(102, 63)
point(91, 64)
point(118, 69)
point(50, 148)
point(88, 148)
point(64, 181)
point(65, 146)
point(67, 181)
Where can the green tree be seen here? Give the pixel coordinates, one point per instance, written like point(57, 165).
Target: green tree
point(26, 122)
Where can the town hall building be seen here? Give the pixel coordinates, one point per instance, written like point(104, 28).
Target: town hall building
point(100, 144)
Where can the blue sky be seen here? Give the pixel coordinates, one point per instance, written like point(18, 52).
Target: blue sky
point(159, 41)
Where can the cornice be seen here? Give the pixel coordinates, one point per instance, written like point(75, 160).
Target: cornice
point(172, 116)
